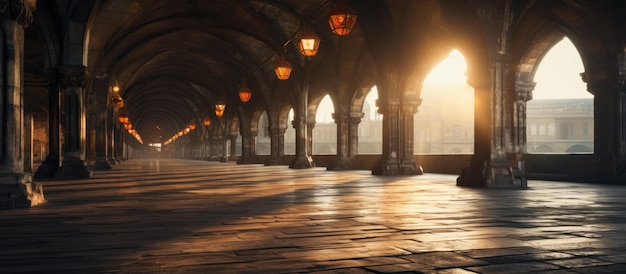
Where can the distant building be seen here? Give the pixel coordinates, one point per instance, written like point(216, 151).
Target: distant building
point(445, 126)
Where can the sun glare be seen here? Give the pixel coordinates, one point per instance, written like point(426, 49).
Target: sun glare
point(449, 71)
point(558, 74)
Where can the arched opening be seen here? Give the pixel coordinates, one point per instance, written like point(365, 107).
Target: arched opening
point(263, 139)
point(444, 122)
point(290, 135)
point(371, 126)
point(560, 115)
point(325, 130)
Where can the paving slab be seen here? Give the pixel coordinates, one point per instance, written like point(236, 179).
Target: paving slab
point(184, 216)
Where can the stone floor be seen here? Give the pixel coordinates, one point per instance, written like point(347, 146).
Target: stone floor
point(180, 216)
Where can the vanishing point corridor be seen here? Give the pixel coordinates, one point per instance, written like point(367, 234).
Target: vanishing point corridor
point(184, 216)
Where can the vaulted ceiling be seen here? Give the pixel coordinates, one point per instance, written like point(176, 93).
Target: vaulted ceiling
point(175, 59)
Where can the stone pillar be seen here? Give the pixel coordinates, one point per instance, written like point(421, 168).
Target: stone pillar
point(245, 148)
point(523, 94)
point(223, 141)
point(50, 166)
point(390, 164)
point(277, 145)
point(609, 105)
point(303, 157)
point(343, 162)
point(353, 135)
point(489, 166)
point(102, 162)
point(16, 187)
point(233, 146)
point(310, 125)
point(408, 165)
point(72, 79)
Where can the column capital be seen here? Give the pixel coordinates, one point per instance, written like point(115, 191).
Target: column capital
point(410, 107)
point(390, 105)
point(599, 81)
point(524, 91)
point(71, 76)
point(18, 10)
point(341, 118)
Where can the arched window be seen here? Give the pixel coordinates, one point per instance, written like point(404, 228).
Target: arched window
point(371, 126)
point(290, 136)
point(560, 115)
point(263, 138)
point(444, 122)
point(325, 130)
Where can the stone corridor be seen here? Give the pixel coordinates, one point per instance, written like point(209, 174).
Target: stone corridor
point(183, 216)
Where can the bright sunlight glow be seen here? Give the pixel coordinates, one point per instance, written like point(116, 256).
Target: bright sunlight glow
point(449, 71)
point(558, 74)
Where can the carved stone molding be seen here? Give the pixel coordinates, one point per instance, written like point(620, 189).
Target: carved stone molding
point(72, 76)
point(18, 10)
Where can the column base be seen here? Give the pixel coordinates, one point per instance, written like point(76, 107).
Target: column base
point(47, 169)
point(102, 164)
point(491, 174)
point(306, 162)
point(18, 191)
point(410, 167)
point(75, 169)
point(387, 167)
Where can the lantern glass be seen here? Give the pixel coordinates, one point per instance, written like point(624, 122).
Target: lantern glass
point(207, 121)
point(309, 42)
point(282, 69)
point(245, 94)
point(219, 108)
point(192, 125)
point(123, 118)
point(342, 18)
point(117, 101)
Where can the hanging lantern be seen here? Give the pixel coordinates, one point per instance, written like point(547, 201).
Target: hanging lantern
point(220, 106)
point(309, 42)
point(116, 88)
point(342, 18)
point(192, 125)
point(282, 68)
point(206, 121)
point(128, 126)
point(117, 101)
point(123, 118)
point(245, 93)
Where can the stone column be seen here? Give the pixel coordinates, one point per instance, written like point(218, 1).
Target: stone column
point(310, 125)
point(102, 163)
point(277, 145)
point(343, 162)
point(72, 79)
point(489, 166)
point(28, 142)
point(233, 146)
point(303, 157)
point(408, 165)
point(353, 135)
point(50, 166)
point(523, 94)
point(390, 164)
point(16, 187)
